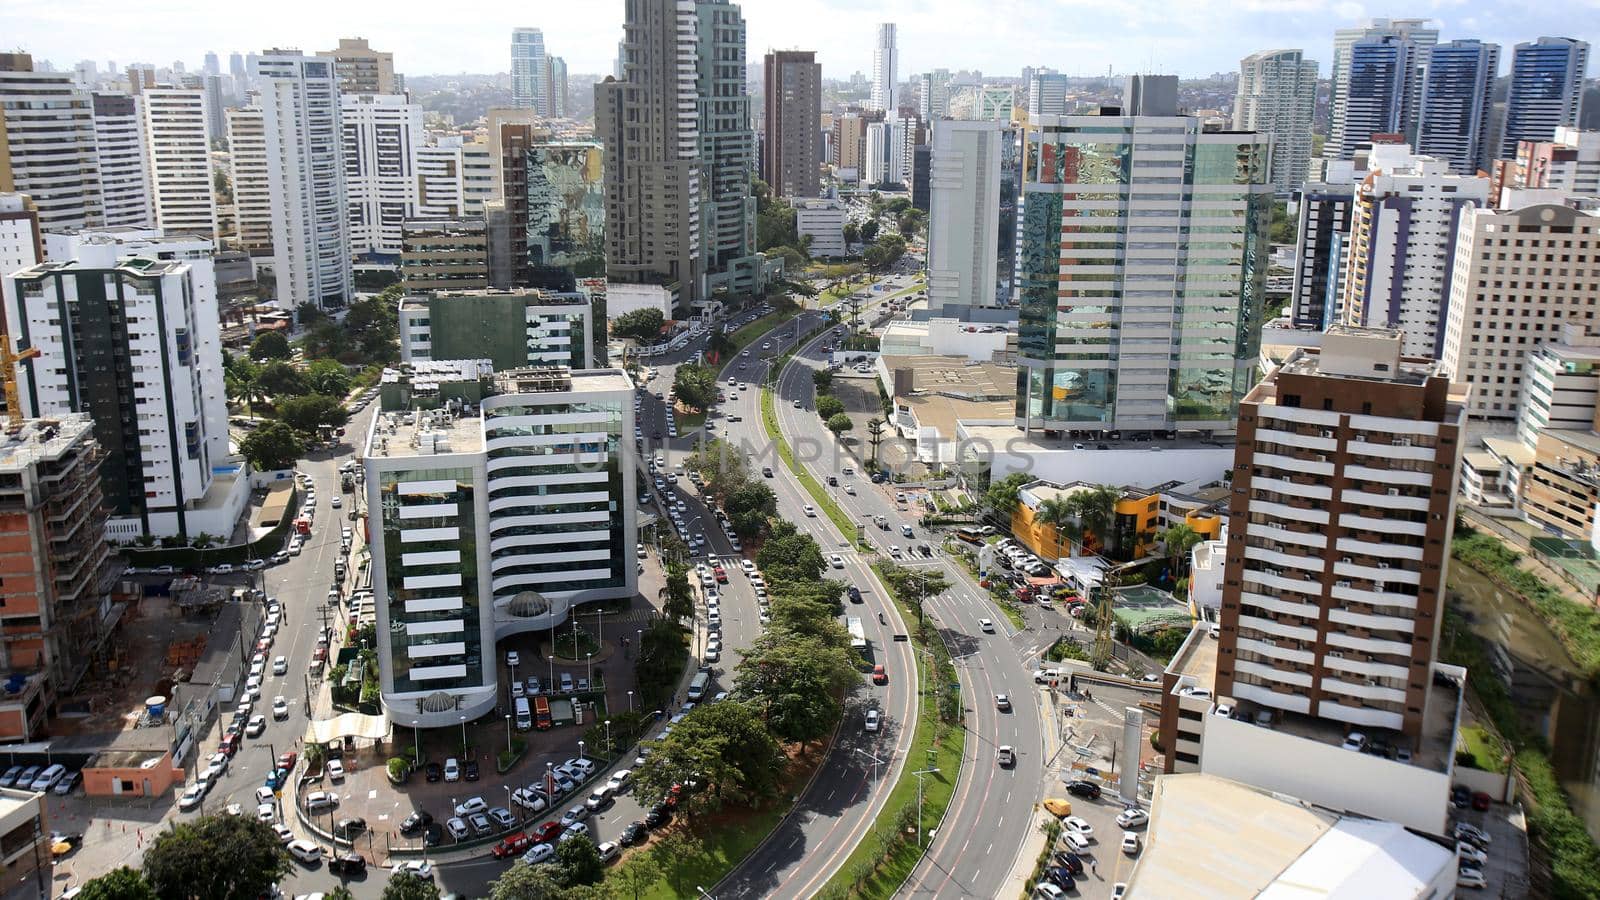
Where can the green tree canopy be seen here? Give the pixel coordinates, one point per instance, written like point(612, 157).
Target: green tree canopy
point(281, 379)
point(658, 662)
point(829, 406)
point(839, 423)
point(579, 862)
point(723, 745)
point(640, 324)
point(327, 376)
point(215, 858)
point(852, 233)
point(1002, 496)
point(790, 555)
point(798, 682)
point(696, 385)
point(524, 882)
point(868, 230)
point(406, 886)
point(822, 380)
point(269, 345)
point(751, 507)
point(309, 413)
point(118, 884)
point(271, 447)
point(680, 595)
point(1179, 539)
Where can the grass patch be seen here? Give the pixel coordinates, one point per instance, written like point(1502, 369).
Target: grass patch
point(836, 514)
point(719, 849)
point(753, 332)
point(1481, 749)
point(1575, 625)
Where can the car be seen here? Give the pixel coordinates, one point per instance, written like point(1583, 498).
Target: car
point(282, 832)
point(305, 851)
point(1047, 890)
point(1466, 831)
point(635, 833)
point(1068, 860)
point(349, 828)
point(335, 770)
point(1469, 853)
point(417, 821)
point(1460, 795)
point(873, 720)
point(879, 674)
point(539, 853)
point(659, 815)
point(256, 726)
point(480, 823)
point(1471, 877)
point(620, 778)
point(9, 779)
point(810, 511)
point(280, 708)
point(471, 805)
point(531, 800)
point(67, 783)
point(514, 659)
point(1086, 789)
point(27, 776)
point(265, 794)
point(576, 829)
point(854, 593)
point(192, 798)
point(457, 827)
point(502, 817)
point(321, 800)
point(452, 770)
point(470, 770)
point(1355, 740)
point(1079, 826)
point(348, 865)
point(547, 833)
point(986, 626)
point(1130, 843)
point(416, 868)
point(1480, 801)
point(1061, 877)
point(1132, 818)
point(512, 845)
point(1005, 756)
point(287, 759)
point(574, 815)
point(1002, 702)
point(336, 502)
point(566, 682)
point(280, 665)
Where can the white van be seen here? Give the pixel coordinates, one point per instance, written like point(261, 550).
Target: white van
point(697, 687)
point(524, 714)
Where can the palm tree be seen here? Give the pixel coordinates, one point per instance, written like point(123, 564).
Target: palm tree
point(1098, 513)
point(1059, 513)
point(1179, 540)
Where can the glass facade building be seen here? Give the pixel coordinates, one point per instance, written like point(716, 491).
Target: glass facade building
point(1141, 270)
point(566, 214)
point(1546, 90)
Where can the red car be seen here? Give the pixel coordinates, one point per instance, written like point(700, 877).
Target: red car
point(287, 760)
point(512, 845)
point(546, 833)
point(720, 573)
point(879, 676)
point(230, 744)
point(1480, 801)
point(673, 794)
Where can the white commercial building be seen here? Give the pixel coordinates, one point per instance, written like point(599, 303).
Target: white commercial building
point(141, 353)
point(1505, 302)
point(121, 162)
point(180, 159)
point(454, 178)
point(944, 336)
point(823, 222)
point(1278, 95)
point(1402, 233)
point(47, 126)
point(251, 183)
point(21, 244)
point(964, 212)
point(382, 137)
point(885, 62)
point(299, 101)
point(494, 523)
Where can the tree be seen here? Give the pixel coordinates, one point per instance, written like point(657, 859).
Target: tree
point(636, 875)
point(339, 892)
point(790, 555)
point(868, 230)
point(822, 380)
point(696, 385)
point(270, 345)
point(829, 406)
point(852, 233)
point(797, 682)
point(641, 324)
point(241, 380)
point(751, 507)
point(215, 858)
point(720, 345)
point(118, 884)
point(914, 585)
point(279, 379)
point(680, 596)
point(524, 882)
point(775, 227)
point(406, 886)
point(579, 862)
point(327, 376)
point(312, 412)
point(725, 747)
point(1061, 514)
point(794, 260)
point(1283, 229)
point(309, 314)
point(1179, 539)
point(662, 651)
point(373, 325)
point(1002, 496)
point(911, 222)
point(839, 424)
point(875, 436)
point(1097, 514)
point(271, 447)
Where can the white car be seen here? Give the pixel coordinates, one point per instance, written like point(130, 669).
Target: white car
point(539, 853)
point(280, 665)
point(452, 772)
point(192, 798)
point(836, 561)
point(811, 511)
point(1078, 826)
point(1130, 843)
point(280, 708)
point(421, 868)
point(283, 833)
point(256, 726)
point(872, 720)
point(620, 778)
point(266, 812)
point(335, 770)
point(576, 829)
point(609, 851)
point(471, 805)
point(1132, 818)
point(513, 659)
point(305, 851)
point(986, 626)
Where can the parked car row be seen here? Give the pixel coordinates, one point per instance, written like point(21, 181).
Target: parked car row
point(54, 778)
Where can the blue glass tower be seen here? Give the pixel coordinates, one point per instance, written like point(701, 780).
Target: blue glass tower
point(1457, 95)
point(1546, 88)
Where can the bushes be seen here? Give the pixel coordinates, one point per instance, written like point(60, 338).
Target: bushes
point(1575, 625)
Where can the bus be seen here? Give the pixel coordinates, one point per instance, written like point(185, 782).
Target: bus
point(858, 635)
point(970, 534)
point(541, 713)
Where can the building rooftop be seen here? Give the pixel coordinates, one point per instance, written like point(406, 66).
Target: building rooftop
point(1196, 659)
point(955, 376)
point(547, 379)
point(42, 440)
point(429, 374)
point(424, 432)
point(941, 413)
point(531, 296)
point(1008, 438)
point(1276, 847)
point(1517, 452)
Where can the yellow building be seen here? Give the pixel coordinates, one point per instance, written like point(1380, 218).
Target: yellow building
point(1136, 524)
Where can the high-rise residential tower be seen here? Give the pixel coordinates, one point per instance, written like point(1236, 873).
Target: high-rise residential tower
point(727, 150)
point(1383, 92)
point(121, 161)
point(1415, 31)
point(47, 144)
point(363, 70)
point(933, 100)
point(382, 134)
point(1141, 272)
point(247, 176)
point(1047, 94)
point(885, 71)
point(529, 71)
point(299, 101)
point(1278, 95)
point(180, 159)
point(972, 219)
point(556, 86)
point(792, 155)
point(1457, 97)
point(1546, 90)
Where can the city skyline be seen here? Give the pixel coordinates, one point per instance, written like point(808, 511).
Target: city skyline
point(1073, 37)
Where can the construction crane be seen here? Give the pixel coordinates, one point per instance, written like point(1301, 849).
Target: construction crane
point(8, 371)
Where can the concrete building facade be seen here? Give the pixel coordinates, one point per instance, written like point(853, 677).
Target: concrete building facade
point(1454, 122)
point(382, 134)
point(444, 255)
point(121, 161)
point(885, 71)
point(1278, 95)
point(180, 159)
point(48, 147)
point(361, 69)
point(1546, 90)
point(1341, 145)
point(251, 183)
point(792, 155)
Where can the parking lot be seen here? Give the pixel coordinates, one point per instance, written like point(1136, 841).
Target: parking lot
point(1506, 866)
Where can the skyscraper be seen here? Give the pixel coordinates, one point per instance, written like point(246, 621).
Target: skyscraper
point(1457, 96)
point(47, 126)
point(1344, 40)
point(363, 70)
point(213, 66)
point(556, 86)
point(566, 213)
point(247, 174)
point(122, 165)
point(1118, 327)
point(1278, 95)
point(1546, 90)
point(972, 215)
point(1383, 92)
point(1047, 94)
point(299, 101)
point(885, 74)
point(382, 134)
point(529, 70)
point(933, 100)
point(180, 160)
point(1150, 95)
point(727, 150)
point(792, 157)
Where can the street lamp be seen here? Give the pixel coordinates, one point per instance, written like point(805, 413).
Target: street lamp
point(630, 701)
point(875, 762)
point(918, 775)
point(551, 684)
point(463, 732)
point(609, 748)
point(589, 657)
point(508, 732)
point(580, 750)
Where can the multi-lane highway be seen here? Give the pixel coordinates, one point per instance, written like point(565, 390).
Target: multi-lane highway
point(989, 817)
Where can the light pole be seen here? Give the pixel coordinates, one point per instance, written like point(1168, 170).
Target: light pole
point(463, 733)
point(875, 762)
point(550, 685)
point(609, 749)
point(932, 771)
point(508, 732)
point(550, 782)
point(630, 701)
point(589, 657)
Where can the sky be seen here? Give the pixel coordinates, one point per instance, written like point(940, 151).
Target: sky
point(998, 37)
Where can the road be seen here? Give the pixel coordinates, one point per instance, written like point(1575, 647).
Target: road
point(989, 817)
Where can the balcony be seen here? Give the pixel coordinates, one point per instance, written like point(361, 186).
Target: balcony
point(1273, 674)
point(1291, 464)
point(1369, 646)
point(1284, 630)
point(1356, 546)
point(1256, 693)
point(1314, 539)
point(1384, 573)
point(1361, 690)
point(1313, 564)
point(1355, 522)
point(1374, 598)
point(1361, 716)
point(1365, 669)
point(1308, 611)
point(1267, 648)
point(1371, 621)
point(1315, 443)
point(1305, 587)
point(1299, 514)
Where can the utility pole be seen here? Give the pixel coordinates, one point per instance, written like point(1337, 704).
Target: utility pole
point(918, 775)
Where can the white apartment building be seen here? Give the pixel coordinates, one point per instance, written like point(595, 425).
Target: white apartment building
point(886, 160)
point(964, 212)
point(1402, 231)
point(504, 521)
point(1278, 95)
point(21, 244)
point(823, 221)
point(382, 137)
point(299, 101)
point(121, 162)
point(1570, 162)
point(454, 178)
point(252, 186)
point(47, 124)
point(1519, 275)
point(151, 375)
point(180, 159)
point(885, 75)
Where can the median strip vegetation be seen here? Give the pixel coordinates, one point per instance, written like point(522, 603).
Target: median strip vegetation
point(835, 513)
